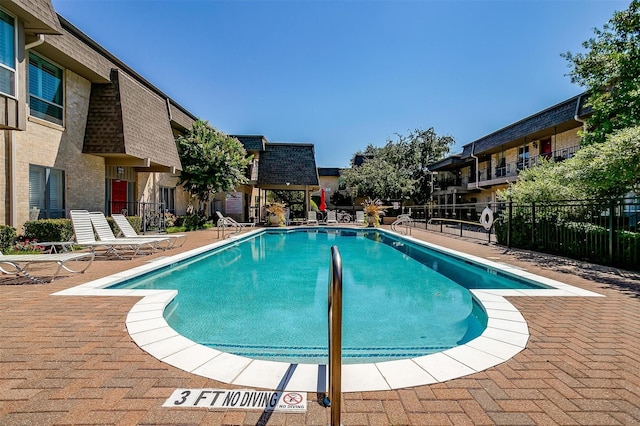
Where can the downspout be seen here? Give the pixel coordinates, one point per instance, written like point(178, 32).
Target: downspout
point(33, 44)
point(473, 155)
point(13, 184)
point(576, 116)
point(13, 168)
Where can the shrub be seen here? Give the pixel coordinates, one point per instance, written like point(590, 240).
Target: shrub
point(7, 235)
point(49, 230)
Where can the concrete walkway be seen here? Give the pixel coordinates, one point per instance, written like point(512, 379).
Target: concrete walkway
point(70, 360)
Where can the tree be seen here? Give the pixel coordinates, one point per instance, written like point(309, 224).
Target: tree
point(610, 71)
point(399, 169)
point(212, 162)
point(607, 169)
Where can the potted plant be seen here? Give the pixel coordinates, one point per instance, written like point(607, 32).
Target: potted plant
point(373, 209)
point(276, 212)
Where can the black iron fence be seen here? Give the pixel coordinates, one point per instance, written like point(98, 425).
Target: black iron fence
point(598, 231)
point(154, 215)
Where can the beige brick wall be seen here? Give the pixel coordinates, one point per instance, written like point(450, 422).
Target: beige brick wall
point(49, 145)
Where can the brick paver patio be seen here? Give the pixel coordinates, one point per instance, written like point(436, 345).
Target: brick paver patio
point(70, 360)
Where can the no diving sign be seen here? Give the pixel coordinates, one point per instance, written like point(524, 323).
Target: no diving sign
point(292, 402)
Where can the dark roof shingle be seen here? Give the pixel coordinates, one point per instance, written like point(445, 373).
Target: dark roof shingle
point(282, 163)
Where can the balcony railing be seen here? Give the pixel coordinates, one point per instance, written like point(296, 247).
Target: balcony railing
point(512, 169)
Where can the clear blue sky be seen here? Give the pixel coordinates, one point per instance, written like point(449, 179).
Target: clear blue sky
point(345, 74)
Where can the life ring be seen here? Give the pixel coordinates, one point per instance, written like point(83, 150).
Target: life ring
point(486, 218)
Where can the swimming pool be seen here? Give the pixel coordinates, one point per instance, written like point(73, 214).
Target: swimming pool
point(506, 333)
point(265, 297)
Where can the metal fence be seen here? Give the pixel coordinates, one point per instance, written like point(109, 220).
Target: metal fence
point(153, 215)
point(461, 220)
point(598, 231)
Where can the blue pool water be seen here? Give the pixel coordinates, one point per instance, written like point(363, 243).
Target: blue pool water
point(265, 296)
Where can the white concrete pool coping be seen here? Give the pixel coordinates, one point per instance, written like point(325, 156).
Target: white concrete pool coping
point(506, 335)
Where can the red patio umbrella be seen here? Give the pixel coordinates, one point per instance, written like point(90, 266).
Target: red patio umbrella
point(323, 205)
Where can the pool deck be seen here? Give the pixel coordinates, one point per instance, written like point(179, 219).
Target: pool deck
point(70, 360)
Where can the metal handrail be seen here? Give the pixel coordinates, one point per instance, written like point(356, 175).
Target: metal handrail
point(403, 219)
point(333, 398)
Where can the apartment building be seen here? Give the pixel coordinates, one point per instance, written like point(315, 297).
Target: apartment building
point(491, 162)
point(79, 129)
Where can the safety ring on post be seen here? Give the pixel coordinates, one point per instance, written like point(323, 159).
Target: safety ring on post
point(486, 218)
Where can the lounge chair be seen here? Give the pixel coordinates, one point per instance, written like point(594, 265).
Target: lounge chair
point(19, 263)
point(331, 217)
point(360, 218)
point(226, 221)
point(105, 233)
point(127, 230)
point(312, 217)
point(85, 237)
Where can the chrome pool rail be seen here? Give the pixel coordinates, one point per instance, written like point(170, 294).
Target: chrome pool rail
point(334, 394)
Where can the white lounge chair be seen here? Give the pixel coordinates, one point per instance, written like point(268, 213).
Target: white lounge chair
point(331, 217)
point(226, 221)
point(360, 218)
point(19, 263)
point(85, 237)
point(312, 217)
point(127, 230)
point(105, 233)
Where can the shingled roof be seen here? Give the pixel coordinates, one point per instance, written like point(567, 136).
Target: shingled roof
point(282, 163)
point(252, 142)
point(560, 116)
point(130, 123)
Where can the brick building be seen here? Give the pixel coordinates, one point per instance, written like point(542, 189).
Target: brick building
point(79, 129)
point(493, 161)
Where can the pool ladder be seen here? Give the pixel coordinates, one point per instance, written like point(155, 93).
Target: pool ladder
point(333, 397)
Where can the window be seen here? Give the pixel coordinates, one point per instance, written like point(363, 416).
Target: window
point(501, 168)
point(45, 90)
point(167, 198)
point(523, 158)
point(7, 54)
point(46, 191)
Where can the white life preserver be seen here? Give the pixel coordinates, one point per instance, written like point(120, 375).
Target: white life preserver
point(486, 218)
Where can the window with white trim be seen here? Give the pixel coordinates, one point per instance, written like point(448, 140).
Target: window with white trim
point(7, 54)
point(45, 89)
point(46, 191)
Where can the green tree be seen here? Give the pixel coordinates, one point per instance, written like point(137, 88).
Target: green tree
point(610, 71)
point(212, 161)
point(398, 169)
point(608, 169)
point(612, 168)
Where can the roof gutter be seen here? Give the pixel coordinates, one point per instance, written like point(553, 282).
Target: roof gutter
point(36, 43)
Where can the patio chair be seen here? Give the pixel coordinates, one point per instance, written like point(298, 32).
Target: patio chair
point(312, 217)
point(127, 230)
point(19, 263)
point(360, 218)
point(105, 233)
point(85, 237)
point(331, 217)
point(231, 222)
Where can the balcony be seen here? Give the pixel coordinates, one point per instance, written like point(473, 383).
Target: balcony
point(509, 171)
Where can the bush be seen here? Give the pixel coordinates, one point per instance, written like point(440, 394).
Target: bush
point(7, 235)
point(49, 230)
point(191, 222)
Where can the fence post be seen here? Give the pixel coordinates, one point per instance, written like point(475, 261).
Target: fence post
point(612, 212)
point(509, 224)
point(533, 225)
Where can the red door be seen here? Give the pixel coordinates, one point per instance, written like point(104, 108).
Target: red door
point(118, 195)
point(545, 148)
